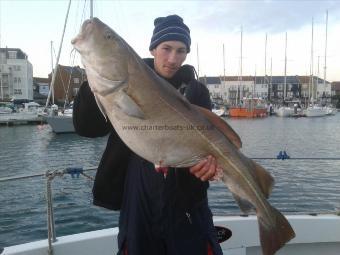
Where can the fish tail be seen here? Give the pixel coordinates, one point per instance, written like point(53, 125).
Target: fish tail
point(274, 236)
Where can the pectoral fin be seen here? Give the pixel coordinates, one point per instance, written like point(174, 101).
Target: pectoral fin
point(221, 125)
point(128, 105)
point(102, 86)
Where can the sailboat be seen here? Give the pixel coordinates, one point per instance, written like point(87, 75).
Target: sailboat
point(248, 107)
point(314, 110)
point(60, 121)
point(288, 109)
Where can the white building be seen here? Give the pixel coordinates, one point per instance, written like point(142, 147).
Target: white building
point(16, 75)
point(229, 88)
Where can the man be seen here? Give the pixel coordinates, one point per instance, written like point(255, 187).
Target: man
point(162, 211)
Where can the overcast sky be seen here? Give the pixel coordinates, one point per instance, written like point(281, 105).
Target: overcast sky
point(31, 25)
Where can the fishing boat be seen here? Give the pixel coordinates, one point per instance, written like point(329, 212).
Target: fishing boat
point(315, 235)
point(249, 108)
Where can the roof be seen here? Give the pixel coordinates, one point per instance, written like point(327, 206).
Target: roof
point(41, 80)
point(237, 78)
point(275, 79)
point(20, 53)
point(210, 80)
point(71, 69)
point(306, 79)
point(336, 85)
point(281, 79)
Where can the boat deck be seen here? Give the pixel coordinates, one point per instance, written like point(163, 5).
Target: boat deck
point(315, 235)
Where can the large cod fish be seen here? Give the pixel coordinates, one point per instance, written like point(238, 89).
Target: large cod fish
point(156, 122)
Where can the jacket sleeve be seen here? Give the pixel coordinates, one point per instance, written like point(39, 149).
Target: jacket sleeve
point(109, 183)
point(88, 120)
point(194, 189)
point(198, 94)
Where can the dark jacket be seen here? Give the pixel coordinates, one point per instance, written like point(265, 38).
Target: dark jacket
point(158, 215)
point(109, 183)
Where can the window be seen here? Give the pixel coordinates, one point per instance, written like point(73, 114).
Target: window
point(2, 57)
point(76, 80)
point(12, 54)
point(5, 78)
point(15, 79)
point(19, 80)
point(17, 91)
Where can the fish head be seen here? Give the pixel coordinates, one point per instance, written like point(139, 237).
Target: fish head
point(102, 50)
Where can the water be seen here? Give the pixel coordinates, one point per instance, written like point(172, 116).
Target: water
point(302, 186)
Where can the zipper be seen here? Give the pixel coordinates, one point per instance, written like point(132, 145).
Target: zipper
point(189, 217)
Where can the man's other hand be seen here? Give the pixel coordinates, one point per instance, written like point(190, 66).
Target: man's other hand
point(206, 169)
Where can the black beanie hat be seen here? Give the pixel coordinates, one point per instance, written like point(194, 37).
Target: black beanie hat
point(170, 28)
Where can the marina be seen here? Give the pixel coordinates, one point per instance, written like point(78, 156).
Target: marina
point(305, 186)
point(288, 124)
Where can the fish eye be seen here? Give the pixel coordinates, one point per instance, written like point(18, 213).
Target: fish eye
point(108, 35)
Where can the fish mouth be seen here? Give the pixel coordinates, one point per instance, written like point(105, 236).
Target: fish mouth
point(86, 28)
point(75, 40)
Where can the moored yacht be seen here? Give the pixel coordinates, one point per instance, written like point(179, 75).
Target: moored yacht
point(315, 111)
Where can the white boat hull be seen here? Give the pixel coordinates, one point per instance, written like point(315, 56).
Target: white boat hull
point(219, 112)
point(19, 117)
point(61, 124)
point(315, 235)
point(284, 112)
point(331, 111)
point(315, 111)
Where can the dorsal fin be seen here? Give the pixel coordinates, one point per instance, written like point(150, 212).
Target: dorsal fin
point(221, 125)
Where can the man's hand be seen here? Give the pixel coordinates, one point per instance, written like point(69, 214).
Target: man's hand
point(206, 169)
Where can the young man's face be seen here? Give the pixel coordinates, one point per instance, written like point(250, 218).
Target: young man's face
point(169, 57)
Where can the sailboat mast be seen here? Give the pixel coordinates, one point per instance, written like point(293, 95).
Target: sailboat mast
point(52, 70)
point(325, 67)
point(198, 61)
point(223, 84)
point(239, 94)
point(223, 63)
point(311, 81)
point(271, 79)
point(285, 79)
point(54, 74)
point(254, 87)
point(265, 61)
point(91, 9)
point(2, 91)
